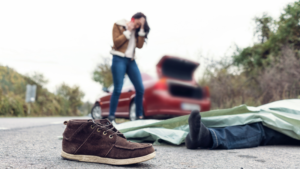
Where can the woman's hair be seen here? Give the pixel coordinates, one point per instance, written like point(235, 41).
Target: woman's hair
point(146, 26)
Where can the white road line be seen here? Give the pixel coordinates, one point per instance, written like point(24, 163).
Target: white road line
point(3, 128)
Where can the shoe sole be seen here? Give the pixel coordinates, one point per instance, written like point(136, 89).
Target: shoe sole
point(97, 159)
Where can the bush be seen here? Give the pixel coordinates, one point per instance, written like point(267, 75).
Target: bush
point(12, 97)
point(230, 87)
point(281, 80)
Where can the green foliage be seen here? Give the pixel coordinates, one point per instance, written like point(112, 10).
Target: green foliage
point(228, 87)
point(256, 58)
point(102, 74)
point(262, 73)
point(38, 78)
point(263, 27)
point(86, 108)
point(252, 58)
point(12, 97)
point(73, 95)
point(289, 26)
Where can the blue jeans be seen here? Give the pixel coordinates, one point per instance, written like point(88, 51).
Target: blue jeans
point(246, 136)
point(120, 66)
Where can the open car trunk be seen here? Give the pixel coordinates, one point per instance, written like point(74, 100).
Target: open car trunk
point(191, 92)
point(176, 68)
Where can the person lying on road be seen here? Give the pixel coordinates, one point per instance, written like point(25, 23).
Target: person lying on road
point(233, 137)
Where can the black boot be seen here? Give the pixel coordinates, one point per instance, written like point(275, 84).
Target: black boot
point(199, 135)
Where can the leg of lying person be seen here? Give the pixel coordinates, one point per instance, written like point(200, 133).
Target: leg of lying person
point(273, 137)
point(232, 137)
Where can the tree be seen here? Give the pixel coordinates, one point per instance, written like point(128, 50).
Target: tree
point(39, 78)
point(289, 26)
point(73, 95)
point(259, 56)
point(263, 27)
point(102, 74)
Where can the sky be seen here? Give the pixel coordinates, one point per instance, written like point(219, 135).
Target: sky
point(66, 39)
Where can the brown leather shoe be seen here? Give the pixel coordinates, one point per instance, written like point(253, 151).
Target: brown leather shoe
point(98, 141)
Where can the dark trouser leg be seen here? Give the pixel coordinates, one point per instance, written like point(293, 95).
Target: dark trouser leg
point(246, 136)
point(118, 70)
point(273, 137)
point(234, 137)
point(134, 74)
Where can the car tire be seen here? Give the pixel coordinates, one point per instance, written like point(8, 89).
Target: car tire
point(132, 112)
point(96, 112)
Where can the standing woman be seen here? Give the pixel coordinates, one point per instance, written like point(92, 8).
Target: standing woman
point(127, 35)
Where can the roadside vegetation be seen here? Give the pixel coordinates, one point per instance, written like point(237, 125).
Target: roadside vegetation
point(265, 72)
point(102, 73)
point(65, 102)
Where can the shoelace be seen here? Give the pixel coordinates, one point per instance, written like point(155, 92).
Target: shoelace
point(109, 127)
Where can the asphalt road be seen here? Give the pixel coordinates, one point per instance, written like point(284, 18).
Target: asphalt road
point(34, 143)
point(14, 123)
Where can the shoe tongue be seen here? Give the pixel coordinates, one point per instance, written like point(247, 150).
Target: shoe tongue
point(109, 125)
point(104, 122)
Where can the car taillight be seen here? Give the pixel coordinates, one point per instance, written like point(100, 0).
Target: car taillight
point(206, 91)
point(161, 85)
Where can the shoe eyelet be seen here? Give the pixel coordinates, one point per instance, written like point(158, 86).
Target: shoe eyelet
point(110, 136)
point(104, 132)
point(98, 130)
point(92, 126)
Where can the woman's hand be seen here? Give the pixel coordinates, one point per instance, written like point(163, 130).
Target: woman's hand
point(130, 26)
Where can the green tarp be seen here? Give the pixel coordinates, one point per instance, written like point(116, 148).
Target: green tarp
point(282, 116)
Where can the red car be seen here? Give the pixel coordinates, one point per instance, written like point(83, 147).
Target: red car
point(174, 93)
